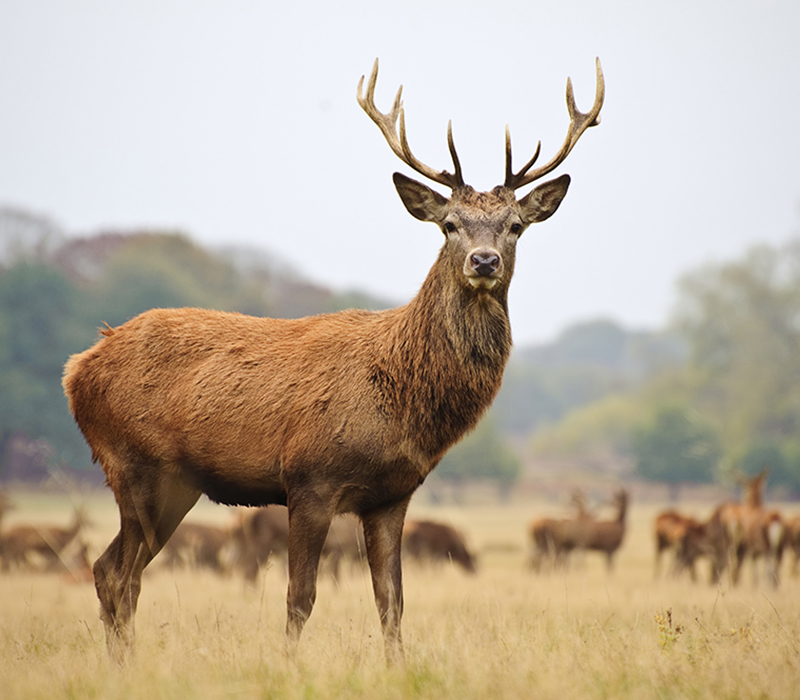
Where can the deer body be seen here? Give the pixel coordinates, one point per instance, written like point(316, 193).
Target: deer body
point(344, 412)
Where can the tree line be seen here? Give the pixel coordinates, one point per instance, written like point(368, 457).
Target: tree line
point(712, 394)
point(733, 405)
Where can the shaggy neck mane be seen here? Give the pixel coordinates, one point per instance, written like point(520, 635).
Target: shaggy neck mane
point(446, 359)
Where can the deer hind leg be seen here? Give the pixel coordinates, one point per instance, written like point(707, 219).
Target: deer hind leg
point(383, 532)
point(150, 510)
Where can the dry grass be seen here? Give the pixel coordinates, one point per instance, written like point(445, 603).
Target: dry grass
point(504, 633)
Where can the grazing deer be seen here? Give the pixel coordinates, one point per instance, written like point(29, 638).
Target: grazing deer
point(18, 543)
point(426, 540)
point(343, 412)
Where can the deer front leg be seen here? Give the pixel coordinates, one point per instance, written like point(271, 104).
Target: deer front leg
point(309, 521)
point(383, 533)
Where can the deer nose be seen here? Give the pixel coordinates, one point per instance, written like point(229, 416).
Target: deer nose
point(484, 263)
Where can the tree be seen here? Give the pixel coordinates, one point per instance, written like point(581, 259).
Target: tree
point(38, 331)
point(676, 446)
point(483, 454)
point(741, 321)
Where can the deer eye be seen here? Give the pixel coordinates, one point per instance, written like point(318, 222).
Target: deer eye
point(448, 227)
point(516, 229)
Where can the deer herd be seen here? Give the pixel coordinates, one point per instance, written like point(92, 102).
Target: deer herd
point(255, 539)
point(325, 426)
point(252, 541)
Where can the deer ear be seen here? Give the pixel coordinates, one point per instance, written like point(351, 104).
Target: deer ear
point(422, 202)
point(541, 203)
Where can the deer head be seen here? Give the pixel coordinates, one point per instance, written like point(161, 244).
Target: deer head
point(481, 228)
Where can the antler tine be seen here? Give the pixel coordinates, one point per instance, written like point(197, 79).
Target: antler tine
point(509, 171)
point(387, 123)
point(579, 122)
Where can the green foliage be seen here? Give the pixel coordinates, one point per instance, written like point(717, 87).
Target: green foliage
point(37, 332)
point(600, 428)
point(676, 446)
point(483, 454)
point(780, 458)
point(741, 321)
point(586, 363)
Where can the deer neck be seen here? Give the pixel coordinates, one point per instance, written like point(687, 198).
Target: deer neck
point(474, 323)
point(449, 350)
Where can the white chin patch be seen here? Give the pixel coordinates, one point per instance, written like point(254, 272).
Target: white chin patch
point(482, 282)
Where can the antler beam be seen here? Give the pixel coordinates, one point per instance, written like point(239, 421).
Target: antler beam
point(387, 123)
point(579, 122)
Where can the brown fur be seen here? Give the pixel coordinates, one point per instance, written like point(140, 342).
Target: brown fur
point(739, 531)
point(345, 412)
point(680, 534)
point(426, 540)
point(790, 538)
point(606, 536)
point(552, 540)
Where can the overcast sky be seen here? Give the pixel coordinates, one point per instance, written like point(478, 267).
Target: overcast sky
point(237, 123)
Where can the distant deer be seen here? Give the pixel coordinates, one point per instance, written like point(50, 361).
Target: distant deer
point(427, 540)
point(343, 412)
point(18, 543)
point(197, 545)
point(260, 535)
point(671, 530)
point(747, 530)
point(553, 539)
point(606, 536)
point(790, 538)
point(264, 534)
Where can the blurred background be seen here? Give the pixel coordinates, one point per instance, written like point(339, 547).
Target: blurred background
point(210, 154)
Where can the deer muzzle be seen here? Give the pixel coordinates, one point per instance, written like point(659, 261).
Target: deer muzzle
point(483, 268)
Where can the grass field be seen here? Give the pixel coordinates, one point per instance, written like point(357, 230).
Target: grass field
point(504, 633)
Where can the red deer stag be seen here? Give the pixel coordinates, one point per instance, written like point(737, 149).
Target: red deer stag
point(426, 540)
point(343, 412)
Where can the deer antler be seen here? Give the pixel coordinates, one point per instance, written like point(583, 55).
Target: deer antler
point(387, 123)
point(579, 122)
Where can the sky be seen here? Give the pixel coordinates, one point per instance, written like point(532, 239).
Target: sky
point(236, 122)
